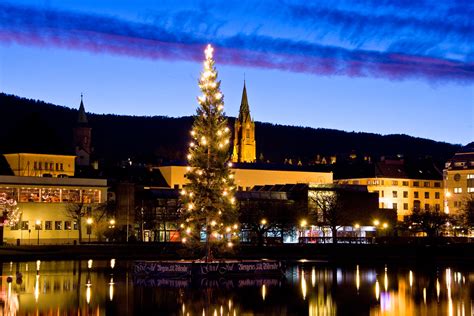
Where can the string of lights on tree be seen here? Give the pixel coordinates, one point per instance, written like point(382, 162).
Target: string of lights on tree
point(10, 209)
point(208, 202)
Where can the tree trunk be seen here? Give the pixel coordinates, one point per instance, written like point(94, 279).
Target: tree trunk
point(79, 227)
point(334, 235)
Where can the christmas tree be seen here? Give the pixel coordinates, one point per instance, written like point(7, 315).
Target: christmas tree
point(208, 202)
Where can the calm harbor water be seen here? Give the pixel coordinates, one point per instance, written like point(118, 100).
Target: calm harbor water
point(308, 288)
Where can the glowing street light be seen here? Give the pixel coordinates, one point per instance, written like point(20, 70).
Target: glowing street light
point(376, 222)
point(263, 221)
point(303, 224)
point(89, 227)
point(385, 225)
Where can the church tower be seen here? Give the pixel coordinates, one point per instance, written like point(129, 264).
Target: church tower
point(82, 138)
point(244, 133)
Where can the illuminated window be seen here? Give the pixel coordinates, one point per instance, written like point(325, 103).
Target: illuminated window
point(58, 225)
point(67, 225)
point(470, 190)
point(25, 225)
point(48, 225)
point(29, 195)
point(394, 182)
point(405, 194)
point(74, 226)
point(7, 193)
point(427, 195)
point(457, 190)
point(470, 176)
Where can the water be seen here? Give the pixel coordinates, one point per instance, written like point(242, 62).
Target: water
point(108, 288)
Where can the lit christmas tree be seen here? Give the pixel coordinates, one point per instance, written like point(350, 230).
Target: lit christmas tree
point(208, 201)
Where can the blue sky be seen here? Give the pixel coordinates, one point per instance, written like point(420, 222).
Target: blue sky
point(374, 66)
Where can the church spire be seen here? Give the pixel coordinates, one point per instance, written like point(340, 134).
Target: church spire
point(82, 117)
point(244, 133)
point(244, 112)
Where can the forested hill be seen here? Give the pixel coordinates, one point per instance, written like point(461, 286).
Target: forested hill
point(35, 126)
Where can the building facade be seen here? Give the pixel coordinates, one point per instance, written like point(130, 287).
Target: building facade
point(41, 165)
point(403, 188)
point(244, 134)
point(44, 207)
point(246, 177)
point(459, 181)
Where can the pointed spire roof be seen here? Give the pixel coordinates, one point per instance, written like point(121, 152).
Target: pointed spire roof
point(244, 112)
point(82, 117)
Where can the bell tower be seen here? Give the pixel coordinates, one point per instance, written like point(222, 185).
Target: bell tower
point(82, 138)
point(244, 133)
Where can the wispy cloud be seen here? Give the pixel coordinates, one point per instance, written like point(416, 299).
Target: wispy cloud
point(105, 34)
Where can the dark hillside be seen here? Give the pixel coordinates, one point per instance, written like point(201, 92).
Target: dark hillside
point(35, 126)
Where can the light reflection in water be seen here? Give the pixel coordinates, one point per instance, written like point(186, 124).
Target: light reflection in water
point(377, 290)
point(66, 289)
point(111, 290)
point(303, 285)
point(37, 288)
point(357, 279)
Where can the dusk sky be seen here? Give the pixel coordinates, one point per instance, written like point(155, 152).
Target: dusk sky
point(373, 66)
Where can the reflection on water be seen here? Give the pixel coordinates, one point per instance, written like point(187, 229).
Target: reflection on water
point(107, 288)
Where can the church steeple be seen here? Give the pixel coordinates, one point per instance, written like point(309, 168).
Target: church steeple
point(244, 133)
point(82, 137)
point(244, 112)
point(82, 117)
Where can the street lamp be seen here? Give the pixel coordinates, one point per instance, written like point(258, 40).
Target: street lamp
point(263, 221)
point(376, 222)
point(89, 227)
point(112, 223)
point(38, 228)
point(385, 225)
point(303, 224)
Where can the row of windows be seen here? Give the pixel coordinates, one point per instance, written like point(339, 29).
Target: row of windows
point(416, 194)
point(38, 165)
point(417, 205)
point(50, 195)
point(426, 184)
point(46, 225)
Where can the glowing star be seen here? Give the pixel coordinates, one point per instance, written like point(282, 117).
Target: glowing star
point(209, 51)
